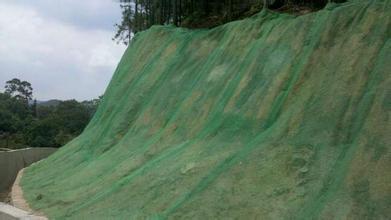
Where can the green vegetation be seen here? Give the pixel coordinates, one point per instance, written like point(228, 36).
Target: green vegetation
point(271, 117)
point(138, 15)
point(26, 123)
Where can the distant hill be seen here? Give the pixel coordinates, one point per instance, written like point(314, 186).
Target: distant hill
point(52, 102)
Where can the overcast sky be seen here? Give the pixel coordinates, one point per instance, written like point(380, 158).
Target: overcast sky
point(62, 47)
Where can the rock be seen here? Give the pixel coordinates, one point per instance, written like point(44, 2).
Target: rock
point(187, 168)
point(303, 169)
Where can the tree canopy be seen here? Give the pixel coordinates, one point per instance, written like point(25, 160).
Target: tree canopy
point(44, 124)
point(138, 15)
point(19, 89)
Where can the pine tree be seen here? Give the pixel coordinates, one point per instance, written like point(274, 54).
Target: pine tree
point(138, 15)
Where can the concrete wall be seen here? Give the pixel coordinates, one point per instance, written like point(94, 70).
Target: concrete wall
point(8, 212)
point(13, 161)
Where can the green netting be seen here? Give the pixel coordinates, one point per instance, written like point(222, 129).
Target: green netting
point(271, 117)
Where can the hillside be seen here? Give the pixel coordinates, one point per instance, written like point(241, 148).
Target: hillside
point(52, 102)
point(271, 117)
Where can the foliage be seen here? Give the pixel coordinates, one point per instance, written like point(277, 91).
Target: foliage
point(19, 89)
point(138, 15)
point(44, 124)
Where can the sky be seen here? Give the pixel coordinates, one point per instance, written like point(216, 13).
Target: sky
point(64, 48)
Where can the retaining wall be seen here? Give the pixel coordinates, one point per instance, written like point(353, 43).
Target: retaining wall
point(13, 161)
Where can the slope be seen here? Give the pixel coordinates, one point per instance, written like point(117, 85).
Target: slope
point(271, 117)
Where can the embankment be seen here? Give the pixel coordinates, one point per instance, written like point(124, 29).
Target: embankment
point(271, 117)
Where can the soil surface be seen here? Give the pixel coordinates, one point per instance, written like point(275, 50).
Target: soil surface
point(17, 199)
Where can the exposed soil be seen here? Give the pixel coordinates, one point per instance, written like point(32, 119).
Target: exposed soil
point(17, 199)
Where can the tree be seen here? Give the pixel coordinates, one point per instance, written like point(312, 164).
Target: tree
point(138, 15)
point(34, 108)
point(125, 29)
point(40, 124)
point(71, 116)
point(265, 4)
point(13, 121)
point(19, 89)
point(42, 133)
point(92, 105)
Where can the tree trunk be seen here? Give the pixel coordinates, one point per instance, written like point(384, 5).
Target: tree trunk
point(231, 10)
point(136, 18)
point(180, 13)
point(175, 13)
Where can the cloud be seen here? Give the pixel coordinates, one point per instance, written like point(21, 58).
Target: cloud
point(60, 54)
point(87, 14)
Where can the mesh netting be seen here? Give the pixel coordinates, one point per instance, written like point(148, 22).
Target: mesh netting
point(271, 117)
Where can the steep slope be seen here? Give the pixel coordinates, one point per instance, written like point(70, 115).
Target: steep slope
point(271, 117)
